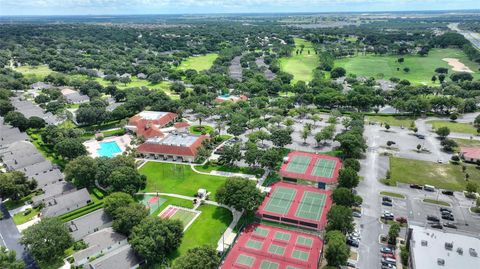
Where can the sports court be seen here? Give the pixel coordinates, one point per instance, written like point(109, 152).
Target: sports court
point(310, 167)
point(185, 215)
point(268, 247)
point(298, 205)
point(152, 202)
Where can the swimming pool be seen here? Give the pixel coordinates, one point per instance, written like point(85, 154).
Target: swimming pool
point(108, 149)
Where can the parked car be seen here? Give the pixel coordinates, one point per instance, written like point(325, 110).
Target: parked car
point(429, 188)
point(386, 250)
point(357, 214)
point(447, 192)
point(388, 266)
point(387, 203)
point(433, 218)
point(389, 261)
point(449, 225)
point(352, 242)
point(416, 186)
point(448, 217)
point(420, 136)
point(436, 226)
point(401, 220)
point(388, 216)
point(386, 199)
point(351, 265)
point(443, 209)
point(388, 255)
point(355, 235)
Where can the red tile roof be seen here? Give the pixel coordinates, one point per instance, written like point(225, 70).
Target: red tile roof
point(150, 128)
point(158, 148)
point(181, 124)
point(471, 153)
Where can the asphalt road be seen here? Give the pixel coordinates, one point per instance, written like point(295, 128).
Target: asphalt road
point(9, 237)
point(473, 37)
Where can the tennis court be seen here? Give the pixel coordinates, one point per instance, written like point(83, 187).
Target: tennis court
point(324, 168)
point(310, 167)
point(311, 205)
point(185, 215)
point(152, 202)
point(298, 164)
point(281, 200)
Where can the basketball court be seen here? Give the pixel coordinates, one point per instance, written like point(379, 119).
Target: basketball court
point(152, 202)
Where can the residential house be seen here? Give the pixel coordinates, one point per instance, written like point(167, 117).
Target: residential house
point(88, 224)
point(470, 154)
point(99, 243)
point(74, 97)
point(52, 191)
point(66, 203)
point(121, 258)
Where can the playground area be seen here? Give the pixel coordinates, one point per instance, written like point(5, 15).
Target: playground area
point(310, 167)
point(296, 205)
point(185, 215)
point(268, 247)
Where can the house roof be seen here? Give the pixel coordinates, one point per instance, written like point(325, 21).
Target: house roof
point(181, 124)
point(53, 190)
point(9, 135)
point(174, 144)
point(74, 96)
point(148, 123)
point(20, 154)
point(48, 177)
point(29, 109)
point(99, 241)
point(122, 258)
point(66, 203)
point(471, 153)
point(82, 226)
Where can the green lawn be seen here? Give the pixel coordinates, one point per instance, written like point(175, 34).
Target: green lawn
point(37, 72)
point(436, 202)
point(455, 127)
point(421, 68)
point(179, 179)
point(404, 121)
point(199, 63)
point(172, 201)
point(21, 218)
point(392, 194)
point(301, 66)
point(197, 129)
point(467, 142)
point(207, 229)
point(207, 168)
point(445, 176)
point(12, 204)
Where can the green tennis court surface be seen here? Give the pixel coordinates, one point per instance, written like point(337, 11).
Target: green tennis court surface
point(282, 236)
point(274, 249)
point(298, 164)
point(311, 205)
point(184, 216)
point(268, 265)
point(324, 168)
point(304, 241)
point(245, 260)
point(254, 244)
point(301, 255)
point(261, 231)
point(281, 200)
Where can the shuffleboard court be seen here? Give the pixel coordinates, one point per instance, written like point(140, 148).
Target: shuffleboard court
point(324, 168)
point(311, 205)
point(185, 215)
point(298, 164)
point(281, 200)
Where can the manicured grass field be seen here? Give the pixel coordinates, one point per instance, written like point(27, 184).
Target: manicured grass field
point(445, 176)
point(207, 168)
point(199, 63)
point(301, 66)
point(455, 127)
point(467, 142)
point(173, 201)
point(404, 121)
point(197, 129)
point(179, 179)
point(20, 218)
point(207, 229)
point(38, 72)
point(436, 202)
point(421, 68)
point(392, 194)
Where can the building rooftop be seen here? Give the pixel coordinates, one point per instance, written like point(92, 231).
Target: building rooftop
point(470, 152)
point(80, 227)
point(173, 144)
point(99, 241)
point(435, 249)
point(66, 203)
point(184, 140)
point(151, 115)
point(53, 190)
point(122, 258)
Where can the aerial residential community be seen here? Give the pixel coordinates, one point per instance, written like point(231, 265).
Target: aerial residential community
point(259, 134)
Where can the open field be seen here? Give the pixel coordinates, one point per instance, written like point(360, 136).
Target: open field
point(421, 68)
point(301, 66)
point(404, 121)
point(455, 127)
point(38, 72)
point(207, 168)
point(199, 63)
point(445, 176)
point(467, 142)
point(179, 179)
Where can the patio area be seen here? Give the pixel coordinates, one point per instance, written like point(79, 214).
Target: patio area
point(108, 147)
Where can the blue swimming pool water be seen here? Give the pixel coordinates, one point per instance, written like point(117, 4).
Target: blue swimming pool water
point(108, 149)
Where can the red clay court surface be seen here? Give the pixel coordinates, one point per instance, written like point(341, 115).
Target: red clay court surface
point(267, 247)
point(298, 205)
point(311, 167)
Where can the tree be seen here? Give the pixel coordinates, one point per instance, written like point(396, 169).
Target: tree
point(129, 216)
point(270, 158)
point(351, 144)
point(419, 146)
point(340, 218)
point(8, 259)
point(393, 233)
point(352, 163)
point(81, 171)
point(337, 251)
point(387, 126)
point(115, 201)
point(406, 69)
point(204, 257)
point(463, 76)
point(280, 137)
point(441, 78)
point(453, 116)
point(5, 107)
point(471, 187)
point(434, 78)
point(125, 80)
point(443, 132)
point(15, 185)
point(449, 144)
point(36, 122)
point(154, 238)
point(343, 196)
point(47, 240)
point(231, 154)
point(338, 72)
point(126, 179)
point(16, 119)
point(240, 193)
point(305, 133)
point(401, 60)
point(476, 122)
point(348, 178)
point(252, 154)
point(70, 148)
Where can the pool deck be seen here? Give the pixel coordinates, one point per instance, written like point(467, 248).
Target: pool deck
point(93, 145)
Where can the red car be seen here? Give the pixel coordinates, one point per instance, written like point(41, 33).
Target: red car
point(388, 255)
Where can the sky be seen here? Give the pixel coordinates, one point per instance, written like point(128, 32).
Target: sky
point(108, 7)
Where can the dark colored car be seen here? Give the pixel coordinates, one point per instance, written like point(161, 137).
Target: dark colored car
point(416, 186)
point(448, 217)
point(449, 225)
point(433, 218)
point(387, 203)
point(386, 199)
point(420, 136)
point(352, 242)
point(447, 192)
point(436, 226)
point(443, 209)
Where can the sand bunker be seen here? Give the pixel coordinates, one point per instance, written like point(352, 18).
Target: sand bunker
point(457, 66)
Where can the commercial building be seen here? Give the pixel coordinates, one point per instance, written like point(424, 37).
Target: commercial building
point(471, 154)
point(149, 123)
point(176, 147)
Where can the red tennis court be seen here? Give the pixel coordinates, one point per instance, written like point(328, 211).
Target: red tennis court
point(298, 205)
point(310, 167)
point(268, 247)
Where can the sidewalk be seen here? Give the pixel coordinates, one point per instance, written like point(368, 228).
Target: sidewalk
point(25, 225)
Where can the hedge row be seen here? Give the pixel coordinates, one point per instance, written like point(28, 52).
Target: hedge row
point(81, 211)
